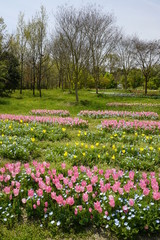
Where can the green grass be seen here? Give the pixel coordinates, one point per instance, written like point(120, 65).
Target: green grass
point(58, 99)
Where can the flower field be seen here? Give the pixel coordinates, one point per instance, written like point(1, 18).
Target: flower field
point(107, 114)
point(70, 173)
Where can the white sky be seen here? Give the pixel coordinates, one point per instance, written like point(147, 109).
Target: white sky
point(141, 17)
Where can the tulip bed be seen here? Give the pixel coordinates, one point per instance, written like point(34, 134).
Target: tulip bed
point(42, 112)
point(107, 114)
point(106, 175)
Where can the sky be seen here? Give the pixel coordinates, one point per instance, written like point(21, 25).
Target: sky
point(140, 17)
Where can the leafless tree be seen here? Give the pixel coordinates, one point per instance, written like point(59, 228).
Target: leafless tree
point(124, 50)
point(70, 27)
point(147, 55)
point(102, 36)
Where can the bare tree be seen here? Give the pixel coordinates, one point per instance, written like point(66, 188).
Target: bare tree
point(70, 27)
point(21, 40)
point(102, 36)
point(124, 50)
point(147, 55)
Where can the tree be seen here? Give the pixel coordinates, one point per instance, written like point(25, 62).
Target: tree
point(41, 37)
point(21, 40)
point(70, 28)
point(124, 50)
point(102, 36)
point(147, 55)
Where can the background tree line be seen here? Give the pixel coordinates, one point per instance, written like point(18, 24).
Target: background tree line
point(85, 50)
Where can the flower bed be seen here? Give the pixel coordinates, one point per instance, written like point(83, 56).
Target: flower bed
point(150, 126)
point(50, 112)
point(106, 114)
point(125, 202)
point(73, 122)
point(117, 104)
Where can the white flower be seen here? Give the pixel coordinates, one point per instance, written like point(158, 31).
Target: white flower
point(52, 221)
point(58, 223)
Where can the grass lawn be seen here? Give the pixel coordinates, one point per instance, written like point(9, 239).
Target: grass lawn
point(137, 150)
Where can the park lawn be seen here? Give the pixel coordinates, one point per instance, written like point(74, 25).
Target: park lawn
point(53, 151)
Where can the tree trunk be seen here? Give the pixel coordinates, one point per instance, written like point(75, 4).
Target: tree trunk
point(21, 74)
point(145, 89)
point(76, 91)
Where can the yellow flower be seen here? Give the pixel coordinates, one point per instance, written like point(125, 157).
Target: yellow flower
point(67, 144)
point(86, 146)
point(97, 144)
point(75, 156)
point(63, 129)
point(141, 149)
point(115, 135)
point(123, 151)
point(111, 137)
point(124, 132)
point(33, 139)
point(99, 156)
point(143, 134)
point(113, 157)
point(107, 154)
point(132, 148)
point(113, 147)
point(82, 144)
point(10, 126)
point(150, 137)
point(136, 134)
point(44, 130)
point(151, 148)
point(85, 133)
point(84, 154)
point(78, 134)
point(92, 146)
point(2, 135)
point(77, 143)
point(0, 142)
point(31, 129)
point(159, 148)
point(10, 138)
point(65, 154)
point(21, 121)
point(147, 137)
point(79, 131)
point(103, 146)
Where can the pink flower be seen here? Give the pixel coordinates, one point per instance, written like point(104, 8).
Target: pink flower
point(76, 211)
point(131, 202)
point(7, 190)
point(90, 210)
point(16, 191)
point(80, 208)
point(89, 188)
point(24, 200)
point(146, 191)
point(38, 202)
point(63, 165)
point(70, 201)
point(131, 175)
point(53, 195)
point(46, 204)
point(85, 197)
point(34, 206)
point(97, 206)
point(125, 208)
point(106, 213)
point(156, 196)
point(30, 193)
point(39, 192)
point(111, 201)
